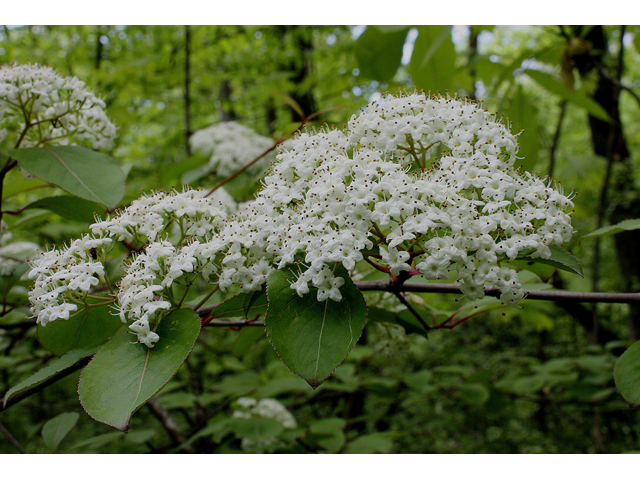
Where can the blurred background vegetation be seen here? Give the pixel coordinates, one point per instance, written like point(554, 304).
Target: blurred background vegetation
point(536, 379)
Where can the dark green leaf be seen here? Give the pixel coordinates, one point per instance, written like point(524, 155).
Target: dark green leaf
point(256, 428)
point(560, 259)
point(367, 444)
point(311, 337)
point(54, 431)
point(247, 338)
point(86, 329)
point(575, 97)
point(123, 376)
point(70, 208)
point(405, 319)
point(47, 372)
point(80, 171)
point(627, 374)
point(379, 52)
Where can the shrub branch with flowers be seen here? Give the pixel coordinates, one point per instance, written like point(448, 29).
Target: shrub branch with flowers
point(417, 187)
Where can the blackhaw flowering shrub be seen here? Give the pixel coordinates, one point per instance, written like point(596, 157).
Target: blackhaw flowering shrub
point(415, 185)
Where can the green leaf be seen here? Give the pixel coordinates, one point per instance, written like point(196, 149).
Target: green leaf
point(235, 306)
point(70, 208)
point(86, 329)
point(11, 189)
point(54, 431)
point(124, 375)
point(576, 97)
point(312, 338)
point(432, 64)
point(631, 224)
point(560, 259)
point(247, 338)
point(379, 52)
point(627, 374)
point(47, 372)
point(258, 298)
point(256, 428)
point(366, 444)
point(80, 171)
point(405, 319)
point(523, 116)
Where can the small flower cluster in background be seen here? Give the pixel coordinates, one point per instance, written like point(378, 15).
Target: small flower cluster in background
point(230, 146)
point(50, 109)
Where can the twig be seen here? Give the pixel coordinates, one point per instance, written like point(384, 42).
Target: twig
point(553, 295)
point(169, 424)
point(12, 440)
point(411, 309)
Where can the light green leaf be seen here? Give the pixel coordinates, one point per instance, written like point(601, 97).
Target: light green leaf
point(379, 52)
point(627, 374)
point(311, 337)
point(86, 329)
point(54, 431)
point(17, 187)
point(432, 64)
point(560, 259)
point(80, 171)
point(576, 97)
point(631, 224)
point(47, 372)
point(70, 208)
point(123, 376)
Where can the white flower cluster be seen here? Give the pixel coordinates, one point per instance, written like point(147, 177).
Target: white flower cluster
point(63, 277)
point(376, 191)
point(230, 146)
point(265, 408)
point(13, 255)
point(58, 110)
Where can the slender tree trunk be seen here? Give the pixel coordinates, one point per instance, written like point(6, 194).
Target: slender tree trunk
point(620, 199)
point(187, 76)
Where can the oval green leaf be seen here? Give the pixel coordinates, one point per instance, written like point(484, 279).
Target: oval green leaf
point(80, 171)
point(70, 208)
point(560, 259)
point(86, 329)
point(625, 225)
point(627, 374)
point(58, 365)
point(124, 375)
point(379, 51)
point(54, 431)
point(312, 338)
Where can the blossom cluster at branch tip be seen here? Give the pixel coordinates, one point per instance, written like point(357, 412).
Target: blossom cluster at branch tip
point(415, 185)
point(230, 146)
point(64, 276)
point(51, 109)
point(377, 190)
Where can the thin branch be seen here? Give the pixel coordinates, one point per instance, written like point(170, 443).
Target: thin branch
point(234, 323)
point(12, 440)
point(553, 295)
point(403, 300)
point(169, 424)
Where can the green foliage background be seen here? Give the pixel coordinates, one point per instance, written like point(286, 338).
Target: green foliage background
point(537, 379)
